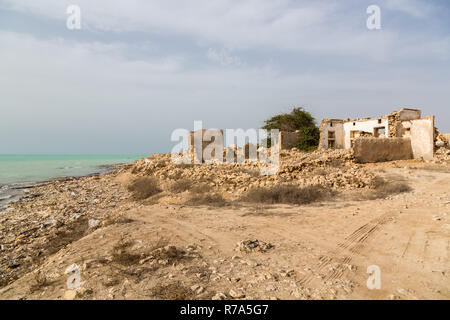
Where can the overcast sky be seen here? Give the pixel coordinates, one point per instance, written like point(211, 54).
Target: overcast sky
point(139, 69)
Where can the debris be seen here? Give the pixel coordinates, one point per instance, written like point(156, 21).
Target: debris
point(253, 246)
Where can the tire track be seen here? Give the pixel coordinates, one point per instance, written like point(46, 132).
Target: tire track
point(346, 250)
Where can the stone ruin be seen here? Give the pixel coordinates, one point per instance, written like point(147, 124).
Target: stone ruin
point(211, 146)
point(401, 135)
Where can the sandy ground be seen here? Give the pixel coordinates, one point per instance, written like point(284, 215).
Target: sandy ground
point(320, 251)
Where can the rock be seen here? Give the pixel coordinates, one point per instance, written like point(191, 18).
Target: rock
point(253, 246)
point(271, 287)
point(93, 223)
point(219, 296)
point(237, 294)
point(70, 294)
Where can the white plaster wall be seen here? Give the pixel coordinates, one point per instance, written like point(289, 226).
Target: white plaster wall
point(422, 138)
point(363, 125)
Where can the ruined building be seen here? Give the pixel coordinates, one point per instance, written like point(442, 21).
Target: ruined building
point(403, 134)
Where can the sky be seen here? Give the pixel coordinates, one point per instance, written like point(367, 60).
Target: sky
point(139, 69)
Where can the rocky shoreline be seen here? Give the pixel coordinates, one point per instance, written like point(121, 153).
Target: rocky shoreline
point(49, 215)
point(13, 192)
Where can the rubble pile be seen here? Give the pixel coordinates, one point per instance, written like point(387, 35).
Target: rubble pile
point(253, 246)
point(333, 169)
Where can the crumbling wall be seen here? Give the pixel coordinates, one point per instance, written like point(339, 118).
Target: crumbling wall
point(409, 114)
point(446, 138)
point(287, 140)
point(331, 125)
point(367, 150)
point(422, 138)
point(397, 120)
point(366, 125)
point(208, 138)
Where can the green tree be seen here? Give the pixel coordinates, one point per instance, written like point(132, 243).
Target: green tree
point(298, 119)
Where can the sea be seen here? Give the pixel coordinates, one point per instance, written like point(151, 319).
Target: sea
point(20, 172)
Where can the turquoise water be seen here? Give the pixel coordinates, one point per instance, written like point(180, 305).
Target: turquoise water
point(34, 168)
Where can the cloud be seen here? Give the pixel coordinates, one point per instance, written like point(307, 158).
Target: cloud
point(139, 69)
point(414, 8)
point(312, 27)
point(223, 57)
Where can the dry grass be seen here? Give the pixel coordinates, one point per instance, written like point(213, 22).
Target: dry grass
point(435, 168)
point(172, 291)
point(180, 186)
point(143, 188)
point(213, 200)
point(288, 194)
point(384, 188)
point(200, 188)
point(381, 188)
point(122, 256)
point(336, 163)
point(40, 281)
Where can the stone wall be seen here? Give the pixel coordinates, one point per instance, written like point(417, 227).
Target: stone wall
point(286, 140)
point(379, 150)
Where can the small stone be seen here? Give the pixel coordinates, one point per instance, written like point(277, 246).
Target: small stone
point(93, 223)
point(237, 294)
point(195, 287)
point(70, 294)
point(271, 287)
point(219, 296)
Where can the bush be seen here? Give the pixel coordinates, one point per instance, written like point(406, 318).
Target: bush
point(180, 186)
point(383, 188)
point(289, 194)
point(200, 188)
point(380, 189)
point(214, 200)
point(143, 188)
point(301, 120)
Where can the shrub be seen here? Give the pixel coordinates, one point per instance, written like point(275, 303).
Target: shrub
point(380, 189)
point(301, 120)
point(200, 188)
point(180, 185)
point(172, 291)
point(143, 188)
point(384, 188)
point(214, 200)
point(289, 194)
